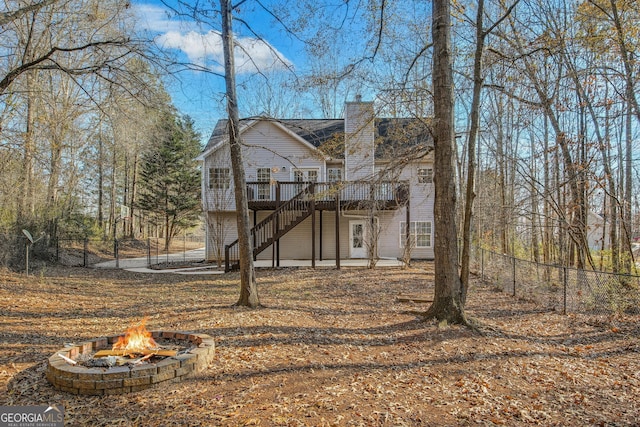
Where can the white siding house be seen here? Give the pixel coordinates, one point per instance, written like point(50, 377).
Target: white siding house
point(597, 232)
point(324, 189)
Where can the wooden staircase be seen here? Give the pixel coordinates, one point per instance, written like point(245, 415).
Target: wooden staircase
point(284, 219)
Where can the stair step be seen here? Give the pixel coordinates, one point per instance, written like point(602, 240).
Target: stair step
point(304, 210)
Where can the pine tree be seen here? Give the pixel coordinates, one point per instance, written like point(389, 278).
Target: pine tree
point(170, 179)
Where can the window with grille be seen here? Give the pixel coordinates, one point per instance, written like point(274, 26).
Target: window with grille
point(420, 234)
point(334, 174)
point(305, 175)
point(219, 178)
point(425, 175)
point(264, 186)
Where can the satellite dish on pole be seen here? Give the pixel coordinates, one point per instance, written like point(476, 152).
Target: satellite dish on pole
point(28, 235)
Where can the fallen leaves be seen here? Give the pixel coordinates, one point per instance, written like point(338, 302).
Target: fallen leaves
point(330, 348)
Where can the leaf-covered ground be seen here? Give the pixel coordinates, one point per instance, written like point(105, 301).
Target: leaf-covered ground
point(332, 348)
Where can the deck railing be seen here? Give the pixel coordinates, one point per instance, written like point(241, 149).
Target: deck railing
point(349, 191)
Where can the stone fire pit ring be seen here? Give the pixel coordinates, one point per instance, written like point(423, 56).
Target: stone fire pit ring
point(81, 380)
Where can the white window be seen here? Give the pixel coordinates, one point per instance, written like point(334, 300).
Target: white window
point(264, 186)
point(219, 178)
point(425, 175)
point(305, 175)
point(264, 174)
point(334, 174)
point(420, 233)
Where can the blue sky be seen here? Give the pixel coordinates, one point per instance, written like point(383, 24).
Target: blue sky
point(289, 83)
point(199, 94)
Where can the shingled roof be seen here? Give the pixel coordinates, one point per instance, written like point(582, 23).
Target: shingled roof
point(392, 135)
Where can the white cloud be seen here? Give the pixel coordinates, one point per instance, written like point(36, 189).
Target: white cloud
point(205, 48)
point(199, 48)
point(157, 19)
point(251, 54)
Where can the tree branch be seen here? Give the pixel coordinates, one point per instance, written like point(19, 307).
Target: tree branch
point(35, 64)
point(502, 18)
point(415, 60)
point(6, 17)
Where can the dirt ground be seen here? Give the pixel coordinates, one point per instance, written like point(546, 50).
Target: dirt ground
point(330, 348)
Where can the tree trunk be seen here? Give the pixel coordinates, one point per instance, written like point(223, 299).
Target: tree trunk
point(26, 199)
point(167, 231)
point(546, 208)
point(576, 217)
point(625, 235)
point(501, 159)
point(535, 214)
point(248, 286)
point(132, 196)
point(101, 181)
point(55, 161)
point(447, 302)
point(125, 191)
point(478, 81)
point(603, 146)
point(471, 150)
point(112, 195)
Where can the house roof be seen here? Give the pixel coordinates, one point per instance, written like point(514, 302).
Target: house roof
point(392, 135)
point(400, 136)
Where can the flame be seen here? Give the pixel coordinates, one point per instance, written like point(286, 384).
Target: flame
point(135, 339)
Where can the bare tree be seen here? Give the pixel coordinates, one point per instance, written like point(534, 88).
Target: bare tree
point(248, 286)
point(62, 57)
point(83, 45)
point(7, 17)
point(478, 82)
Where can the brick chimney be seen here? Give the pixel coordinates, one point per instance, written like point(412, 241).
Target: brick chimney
point(359, 140)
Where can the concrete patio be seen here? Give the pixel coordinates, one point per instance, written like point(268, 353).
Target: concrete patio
point(141, 264)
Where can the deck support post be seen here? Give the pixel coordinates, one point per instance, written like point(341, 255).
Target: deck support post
point(320, 243)
point(255, 221)
point(312, 207)
point(338, 230)
point(408, 219)
point(277, 224)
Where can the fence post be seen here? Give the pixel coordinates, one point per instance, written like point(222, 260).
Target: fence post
point(57, 249)
point(226, 259)
point(115, 252)
point(85, 252)
point(514, 275)
point(564, 296)
point(482, 264)
point(148, 252)
point(27, 257)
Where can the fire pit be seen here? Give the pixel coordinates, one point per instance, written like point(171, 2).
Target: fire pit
point(149, 367)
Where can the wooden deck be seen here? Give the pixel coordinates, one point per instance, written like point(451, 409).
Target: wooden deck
point(291, 203)
point(355, 195)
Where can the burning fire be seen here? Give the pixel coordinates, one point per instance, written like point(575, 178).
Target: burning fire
point(136, 339)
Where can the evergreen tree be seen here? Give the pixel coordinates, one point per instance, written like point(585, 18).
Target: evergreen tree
point(170, 178)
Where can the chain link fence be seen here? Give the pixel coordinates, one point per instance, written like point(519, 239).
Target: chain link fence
point(563, 289)
point(16, 251)
point(147, 252)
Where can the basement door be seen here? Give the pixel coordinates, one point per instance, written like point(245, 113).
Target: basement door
point(357, 247)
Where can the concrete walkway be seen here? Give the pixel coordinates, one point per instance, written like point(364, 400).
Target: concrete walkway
point(140, 265)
